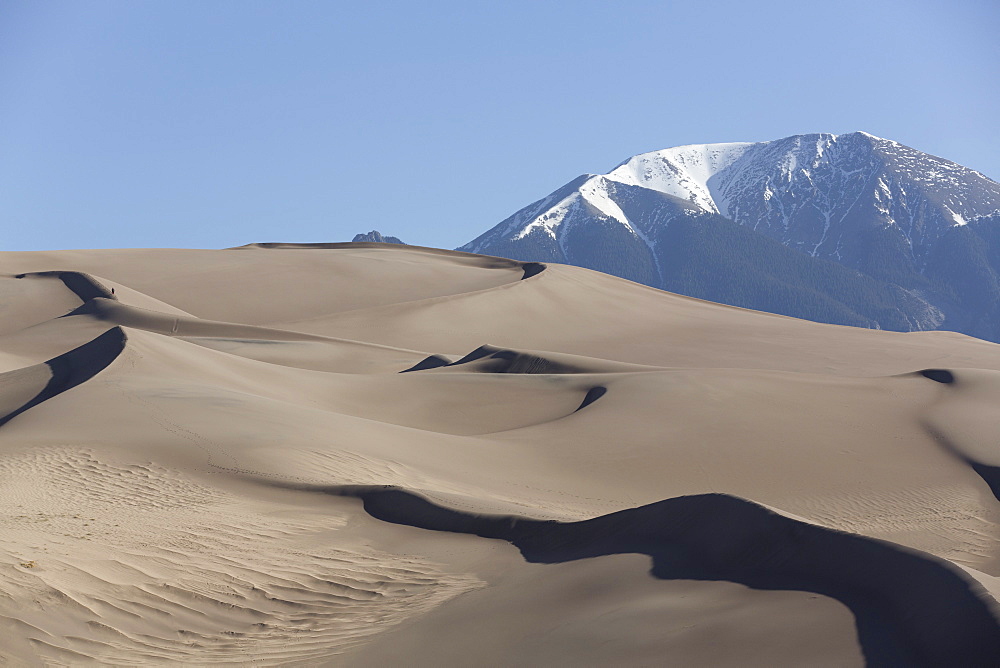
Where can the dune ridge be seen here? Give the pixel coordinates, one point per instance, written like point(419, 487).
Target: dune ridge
point(911, 607)
point(102, 304)
point(84, 362)
point(494, 359)
point(83, 285)
point(530, 268)
point(967, 428)
point(305, 453)
point(75, 367)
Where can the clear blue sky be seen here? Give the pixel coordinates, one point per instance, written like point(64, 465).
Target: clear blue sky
point(220, 123)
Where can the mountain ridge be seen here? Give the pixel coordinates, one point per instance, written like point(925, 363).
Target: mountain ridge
point(876, 208)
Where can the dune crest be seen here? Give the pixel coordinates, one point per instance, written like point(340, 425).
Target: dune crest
point(366, 454)
point(911, 607)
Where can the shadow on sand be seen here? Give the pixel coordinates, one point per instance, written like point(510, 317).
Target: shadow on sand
point(75, 367)
point(910, 608)
point(84, 362)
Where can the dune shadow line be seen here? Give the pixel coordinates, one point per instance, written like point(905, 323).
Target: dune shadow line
point(75, 367)
point(84, 286)
point(939, 375)
point(989, 474)
point(593, 394)
point(83, 362)
point(532, 269)
point(499, 360)
point(910, 608)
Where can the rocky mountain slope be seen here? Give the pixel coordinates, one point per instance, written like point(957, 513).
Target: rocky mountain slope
point(376, 237)
point(851, 229)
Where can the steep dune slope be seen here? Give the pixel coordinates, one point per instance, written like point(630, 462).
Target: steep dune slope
point(342, 454)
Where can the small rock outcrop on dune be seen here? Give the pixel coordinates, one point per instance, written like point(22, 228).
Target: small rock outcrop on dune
point(375, 454)
point(376, 237)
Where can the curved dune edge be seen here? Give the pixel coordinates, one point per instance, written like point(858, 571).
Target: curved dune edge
point(75, 367)
point(953, 431)
point(18, 386)
point(910, 607)
point(489, 261)
point(201, 331)
point(429, 362)
point(90, 291)
point(284, 434)
point(101, 303)
point(493, 359)
point(499, 360)
point(83, 285)
point(83, 362)
point(532, 269)
point(593, 394)
point(989, 474)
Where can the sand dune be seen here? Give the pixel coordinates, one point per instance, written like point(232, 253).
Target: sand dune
point(945, 619)
point(365, 454)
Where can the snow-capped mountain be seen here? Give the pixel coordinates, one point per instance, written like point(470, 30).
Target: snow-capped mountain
point(866, 203)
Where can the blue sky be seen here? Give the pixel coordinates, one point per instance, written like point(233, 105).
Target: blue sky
point(214, 124)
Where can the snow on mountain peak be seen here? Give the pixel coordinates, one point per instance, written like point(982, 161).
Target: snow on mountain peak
point(545, 219)
point(691, 173)
point(682, 171)
point(593, 192)
point(813, 192)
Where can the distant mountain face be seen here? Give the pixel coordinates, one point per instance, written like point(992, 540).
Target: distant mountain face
point(850, 229)
point(376, 237)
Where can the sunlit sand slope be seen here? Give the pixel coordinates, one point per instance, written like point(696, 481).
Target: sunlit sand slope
point(366, 455)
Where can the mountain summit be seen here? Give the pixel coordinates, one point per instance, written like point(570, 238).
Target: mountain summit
point(851, 229)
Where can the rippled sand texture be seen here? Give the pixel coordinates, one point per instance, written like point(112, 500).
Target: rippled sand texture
point(368, 455)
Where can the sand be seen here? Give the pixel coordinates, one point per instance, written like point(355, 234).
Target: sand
point(368, 455)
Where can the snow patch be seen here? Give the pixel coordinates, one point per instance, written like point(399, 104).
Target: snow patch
point(960, 221)
point(595, 193)
point(551, 219)
point(681, 172)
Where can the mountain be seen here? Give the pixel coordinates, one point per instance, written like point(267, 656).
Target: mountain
point(376, 237)
point(849, 229)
